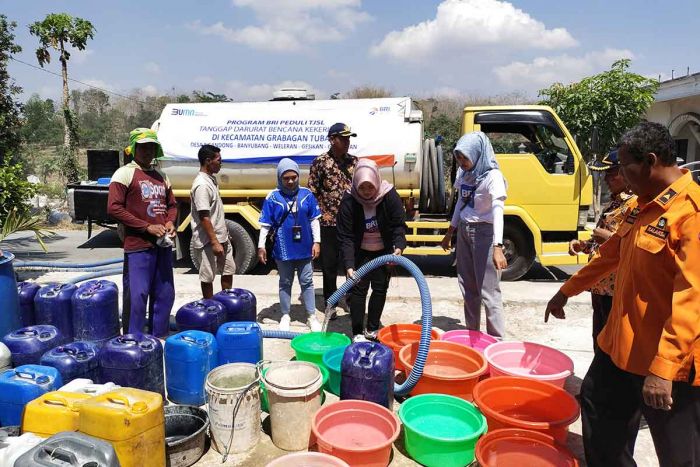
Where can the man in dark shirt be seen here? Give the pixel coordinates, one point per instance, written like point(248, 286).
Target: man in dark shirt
point(330, 176)
point(141, 198)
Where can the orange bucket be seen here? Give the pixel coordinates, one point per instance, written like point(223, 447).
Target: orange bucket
point(450, 368)
point(514, 402)
point(511, 447)
point(399, 335)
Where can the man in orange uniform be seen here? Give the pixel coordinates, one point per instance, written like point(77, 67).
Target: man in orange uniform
point(650, 359)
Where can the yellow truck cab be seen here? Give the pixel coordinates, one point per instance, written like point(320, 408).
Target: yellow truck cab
point(549, 185)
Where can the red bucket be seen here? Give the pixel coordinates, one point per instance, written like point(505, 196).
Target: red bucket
point(450, 368)
point(513, 402)
point(512, 447)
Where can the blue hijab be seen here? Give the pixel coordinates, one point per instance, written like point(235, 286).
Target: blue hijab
point(477, 148)
point(286, 165)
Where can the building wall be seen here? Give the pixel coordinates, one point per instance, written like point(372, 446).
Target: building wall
point(665, 112)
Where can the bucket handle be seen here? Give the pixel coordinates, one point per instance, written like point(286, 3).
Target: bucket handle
point(239, 399)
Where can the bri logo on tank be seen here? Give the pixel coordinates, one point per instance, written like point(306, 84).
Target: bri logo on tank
point(150, 190)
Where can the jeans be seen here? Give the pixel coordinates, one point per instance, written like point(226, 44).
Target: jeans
point(305, 272)
point(148, 281)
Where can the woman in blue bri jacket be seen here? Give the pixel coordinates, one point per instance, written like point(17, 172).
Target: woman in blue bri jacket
point(292, 213)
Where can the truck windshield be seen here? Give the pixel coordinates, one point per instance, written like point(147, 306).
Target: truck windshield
point(539, 139)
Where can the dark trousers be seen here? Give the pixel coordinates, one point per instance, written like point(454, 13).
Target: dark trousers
point(601, 309)
point(148, 285)
point(379, 279)
point(330, 258)
point(611, 407)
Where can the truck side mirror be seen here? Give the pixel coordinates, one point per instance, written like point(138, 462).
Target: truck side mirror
point(595, 140)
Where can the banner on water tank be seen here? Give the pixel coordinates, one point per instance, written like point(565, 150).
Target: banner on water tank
point(265, 132)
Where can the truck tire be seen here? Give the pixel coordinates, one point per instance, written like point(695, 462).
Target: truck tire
point(519, 252)
point(244, 250)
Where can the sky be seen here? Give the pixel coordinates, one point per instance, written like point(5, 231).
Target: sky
point(246, 49)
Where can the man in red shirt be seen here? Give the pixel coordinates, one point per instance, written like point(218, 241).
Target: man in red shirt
point(141, 198)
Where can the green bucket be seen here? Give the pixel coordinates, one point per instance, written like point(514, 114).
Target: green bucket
point(441, 430)
point(311, 346)
point(332, 360)
point(264, 404)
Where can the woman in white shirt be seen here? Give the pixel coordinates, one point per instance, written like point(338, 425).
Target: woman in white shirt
point(478, 220)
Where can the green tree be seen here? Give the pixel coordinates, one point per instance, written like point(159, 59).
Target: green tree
point(612, 101)
point(10, 108)
point(58, 31)
point(201, 96)
point(367, 92)
point(42, 125)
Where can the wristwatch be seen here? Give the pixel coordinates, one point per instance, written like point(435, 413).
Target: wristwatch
point(498, 245)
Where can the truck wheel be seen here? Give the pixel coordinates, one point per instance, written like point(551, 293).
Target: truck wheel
point(244, 251)
point(518, 251)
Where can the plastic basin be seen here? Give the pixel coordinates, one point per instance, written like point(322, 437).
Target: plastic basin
point(358, 432)
point(441, 430)
point(399, 335)
point(450, 368)
point(264, 402)
point(332, 360)
point(477, 340)
point(311, 346)
point(511, 447)
point(530, 360)
point(307, 459)
point(513, 402)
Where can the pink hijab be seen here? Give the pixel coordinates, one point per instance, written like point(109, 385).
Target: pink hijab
point(366, 170)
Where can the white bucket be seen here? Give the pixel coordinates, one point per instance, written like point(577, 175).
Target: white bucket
point(224, 385)
point(294, 394)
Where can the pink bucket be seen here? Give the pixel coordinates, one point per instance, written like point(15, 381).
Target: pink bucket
point(529, 360)
point(307, 459)
point(477, 340)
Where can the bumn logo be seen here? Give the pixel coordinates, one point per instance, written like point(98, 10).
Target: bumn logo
point(183, 112)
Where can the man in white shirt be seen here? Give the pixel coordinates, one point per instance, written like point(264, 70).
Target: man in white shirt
point(213, 249)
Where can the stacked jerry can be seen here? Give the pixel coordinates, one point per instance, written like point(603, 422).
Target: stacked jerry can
point(189, 357)
point(52, 413)
point(27, 345)
point(21, 385)
point(52, 305)
point(73, 360)
point(240, 342)
point(135, 361)
point(27, 291)
point(95, 308)
point(240, 304)
point(201, 315)
point(132, 421)
point(70, 449)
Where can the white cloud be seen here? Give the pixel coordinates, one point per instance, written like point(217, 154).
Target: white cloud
point(290, 25)
point(149, 90)
point(462, 26)
point(78, 57)
point(152, 67)
point(544, 71)
point(241, 91)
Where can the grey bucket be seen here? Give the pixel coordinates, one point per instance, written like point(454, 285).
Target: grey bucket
point(186, 429)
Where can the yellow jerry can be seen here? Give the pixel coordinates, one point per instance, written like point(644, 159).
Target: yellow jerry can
point(52, 413)
point(132, 420)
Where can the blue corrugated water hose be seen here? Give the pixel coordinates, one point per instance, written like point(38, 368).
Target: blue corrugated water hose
point(64, 265)
point(426, 309)
point(94, 274)
point(275, 334)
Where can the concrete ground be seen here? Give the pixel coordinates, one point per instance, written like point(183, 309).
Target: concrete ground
point(524, 303)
